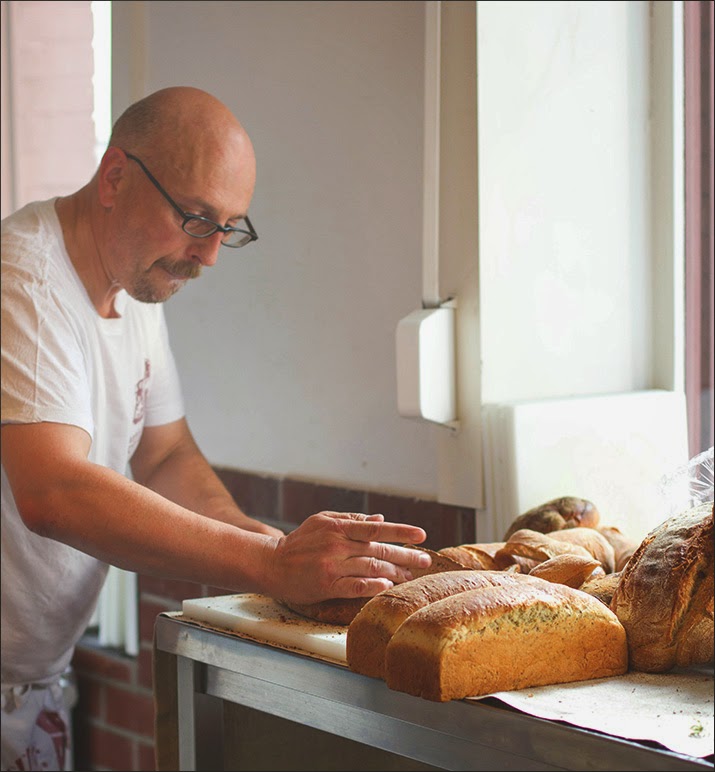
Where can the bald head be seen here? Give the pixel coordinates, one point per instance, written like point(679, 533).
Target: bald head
point(184, 130)
point(177, 155)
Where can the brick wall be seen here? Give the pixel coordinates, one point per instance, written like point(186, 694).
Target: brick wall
point(113, 720)
point(47, 117)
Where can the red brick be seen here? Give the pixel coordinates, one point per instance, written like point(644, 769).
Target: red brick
point(103, 664)
point(109, 750)
point(130, 710)
point(169, 588)
point(90, 692)
point(147, 758)
point(145, 676)
point(257, 495)
point(445, 525)
point(148, 612)
point(70, 21)
point(302, 499)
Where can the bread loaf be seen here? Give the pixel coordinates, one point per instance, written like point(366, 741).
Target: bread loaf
point(538, 546)
point(336, 611)
point(440, 563)
point(528, 633)
point(506, 561)
point(563, 512)
point(623, 546)
point(665, 596)
point(602, 587)
point(372, 628)
point(593, 542)
point(471, 557)
point(571, 570)
point(342, 611)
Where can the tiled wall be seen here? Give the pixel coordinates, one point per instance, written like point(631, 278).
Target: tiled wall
point(113, 720)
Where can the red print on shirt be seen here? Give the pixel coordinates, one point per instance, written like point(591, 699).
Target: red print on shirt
point(48, 745)
point(141, 392)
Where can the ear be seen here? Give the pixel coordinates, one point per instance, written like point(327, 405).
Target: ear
point(110, 175)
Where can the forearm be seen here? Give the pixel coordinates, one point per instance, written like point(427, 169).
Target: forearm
point(61, 495)
point(188, 479)
point(184, 476)
point(139, 530)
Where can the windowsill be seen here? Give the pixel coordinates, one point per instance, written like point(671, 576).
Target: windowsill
point(90, 640)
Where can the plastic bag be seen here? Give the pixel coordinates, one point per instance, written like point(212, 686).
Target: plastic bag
point(690, 484)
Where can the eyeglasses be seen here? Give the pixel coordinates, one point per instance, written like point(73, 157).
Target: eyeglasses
point(201, 227)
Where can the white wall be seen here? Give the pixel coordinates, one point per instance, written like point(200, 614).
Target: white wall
point(287, 348)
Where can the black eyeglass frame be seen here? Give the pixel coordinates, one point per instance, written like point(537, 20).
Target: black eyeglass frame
point(251, 232)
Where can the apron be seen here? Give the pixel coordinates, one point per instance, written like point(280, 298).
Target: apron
point(35, 728)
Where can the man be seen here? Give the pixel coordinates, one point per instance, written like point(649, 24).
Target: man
point(90, 390)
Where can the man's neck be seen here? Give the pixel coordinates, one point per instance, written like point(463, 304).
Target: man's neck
point(78, 229)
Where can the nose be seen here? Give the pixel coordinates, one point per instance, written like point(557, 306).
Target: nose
point(207, 249)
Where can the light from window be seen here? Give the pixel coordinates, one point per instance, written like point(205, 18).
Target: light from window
point(102, 78)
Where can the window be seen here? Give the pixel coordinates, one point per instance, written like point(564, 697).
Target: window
point(580, 222)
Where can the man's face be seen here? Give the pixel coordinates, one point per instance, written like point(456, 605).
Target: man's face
point(154, 257)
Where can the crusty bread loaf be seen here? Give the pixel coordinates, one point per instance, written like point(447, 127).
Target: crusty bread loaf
point(507, 562)
point(602, 587)
point(372, 628)
point(440, 563)
point(336, 611)
point(502, 638)
point(593, 542)
point(342, 611)
point(563, 512)
point(623, 546)
point(471, 557)
point(571, 570)
point(665, 596)
point(538, 546)
point(489, 547)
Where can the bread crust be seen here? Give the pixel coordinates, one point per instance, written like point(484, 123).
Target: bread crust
point(502, 638)
point(336, 611)
point(623, 546)
point(665, 596)
point(440, 563)
point(554, 515)
point(342, 611)
point(538, 546)
point(372, 628)
point(593, 542)
point(571, 570)
point(602, 587)
point(470, 557)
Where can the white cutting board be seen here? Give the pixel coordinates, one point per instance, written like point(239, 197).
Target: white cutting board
point(263, 619)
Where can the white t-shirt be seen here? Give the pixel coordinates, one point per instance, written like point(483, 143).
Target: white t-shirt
point(62, 362)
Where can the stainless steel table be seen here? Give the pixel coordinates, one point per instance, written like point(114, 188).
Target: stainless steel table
point(460, 735)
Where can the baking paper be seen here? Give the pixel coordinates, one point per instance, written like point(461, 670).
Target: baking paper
point(675, 709)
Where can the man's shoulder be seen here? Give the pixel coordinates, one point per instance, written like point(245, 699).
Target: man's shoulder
point(30, 239)
point(31, 215)
point(33, 223)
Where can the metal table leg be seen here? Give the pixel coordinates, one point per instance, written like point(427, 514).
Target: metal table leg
point(187, 715)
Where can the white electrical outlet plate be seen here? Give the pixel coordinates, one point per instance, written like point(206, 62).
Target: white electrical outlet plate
point(426, 365)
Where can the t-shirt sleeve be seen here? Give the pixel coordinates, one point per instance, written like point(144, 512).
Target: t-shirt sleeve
point(44, 368)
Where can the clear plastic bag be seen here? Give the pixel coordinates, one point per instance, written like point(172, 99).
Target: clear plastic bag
point(690, 484)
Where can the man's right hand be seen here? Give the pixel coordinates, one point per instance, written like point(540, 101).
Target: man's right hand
point(344, 555)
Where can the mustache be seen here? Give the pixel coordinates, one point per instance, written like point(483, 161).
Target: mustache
point(187, 270)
